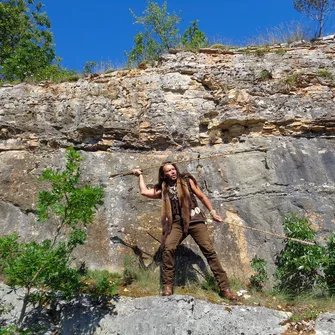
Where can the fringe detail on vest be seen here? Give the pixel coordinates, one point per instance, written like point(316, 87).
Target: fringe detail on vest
point(184, 203)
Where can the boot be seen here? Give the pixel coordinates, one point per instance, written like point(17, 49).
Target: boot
point(226, 293)
point(167, 290)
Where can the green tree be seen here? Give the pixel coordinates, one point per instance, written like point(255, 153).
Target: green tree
point(160, 32)
point(316, 10)
point(46, 267)
point(329, 264)
point(194, 38)
point(299, 264)
point(26, 42)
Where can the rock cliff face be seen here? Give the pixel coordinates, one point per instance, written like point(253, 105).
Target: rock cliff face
point(272, 110)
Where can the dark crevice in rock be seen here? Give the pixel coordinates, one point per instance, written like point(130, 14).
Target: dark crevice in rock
point(25, 211)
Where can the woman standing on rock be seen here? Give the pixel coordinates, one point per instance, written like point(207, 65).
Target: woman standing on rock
point(182, 217)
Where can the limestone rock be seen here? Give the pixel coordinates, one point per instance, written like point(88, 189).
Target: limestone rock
point(177, 314)
point(325, 324)
point(271, 109)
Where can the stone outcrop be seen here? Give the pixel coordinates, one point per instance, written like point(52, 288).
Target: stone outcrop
point(271, 109)
point(178, 314)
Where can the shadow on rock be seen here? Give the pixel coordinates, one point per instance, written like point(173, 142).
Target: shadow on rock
point(83, 315)
point(190, 267)
point(80, 316)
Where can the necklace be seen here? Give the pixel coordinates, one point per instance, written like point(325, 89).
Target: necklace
point(173, 192)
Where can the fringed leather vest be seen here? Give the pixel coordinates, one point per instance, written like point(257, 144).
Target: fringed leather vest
point(179, 204)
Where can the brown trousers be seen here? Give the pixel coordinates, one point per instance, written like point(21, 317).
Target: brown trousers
point(200, 235)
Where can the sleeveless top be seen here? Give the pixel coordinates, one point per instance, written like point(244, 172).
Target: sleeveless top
point(196, 215)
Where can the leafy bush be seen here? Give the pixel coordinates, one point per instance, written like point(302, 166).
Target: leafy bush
point(299, 264)
point(100, 284)
point(209, 284)
point(54, 73)
point(131, 269)
point(260, 277)
point(329, 264)
point(46, 267)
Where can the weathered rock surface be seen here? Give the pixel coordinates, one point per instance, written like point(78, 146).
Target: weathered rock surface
point(178, 314)
point(148, 315)
point(272, 110)
point(325, 324)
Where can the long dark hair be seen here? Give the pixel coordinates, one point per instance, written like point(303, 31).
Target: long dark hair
point(161, 176)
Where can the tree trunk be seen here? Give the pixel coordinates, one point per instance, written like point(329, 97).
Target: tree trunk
point(24, 307)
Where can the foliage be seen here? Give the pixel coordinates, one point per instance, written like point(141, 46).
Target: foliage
point(325, 74)
point(26, 42)
point(131, 269)
point(264, 75)
point(141, 279)
point(46, 267)
point(260, 277)
point(280, 51)
point(329, 264)
point(193, 38)
point(219, 46)
point(100, 284)
point(54, 73)
point(89, 67)
point(14, 330)
point(209, 284)
point(299, 264)
point(296, 79)
point(316, 10)
point(160, 33)
point(261, 51)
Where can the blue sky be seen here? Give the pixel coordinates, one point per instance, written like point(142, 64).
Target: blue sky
point(102, 30)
